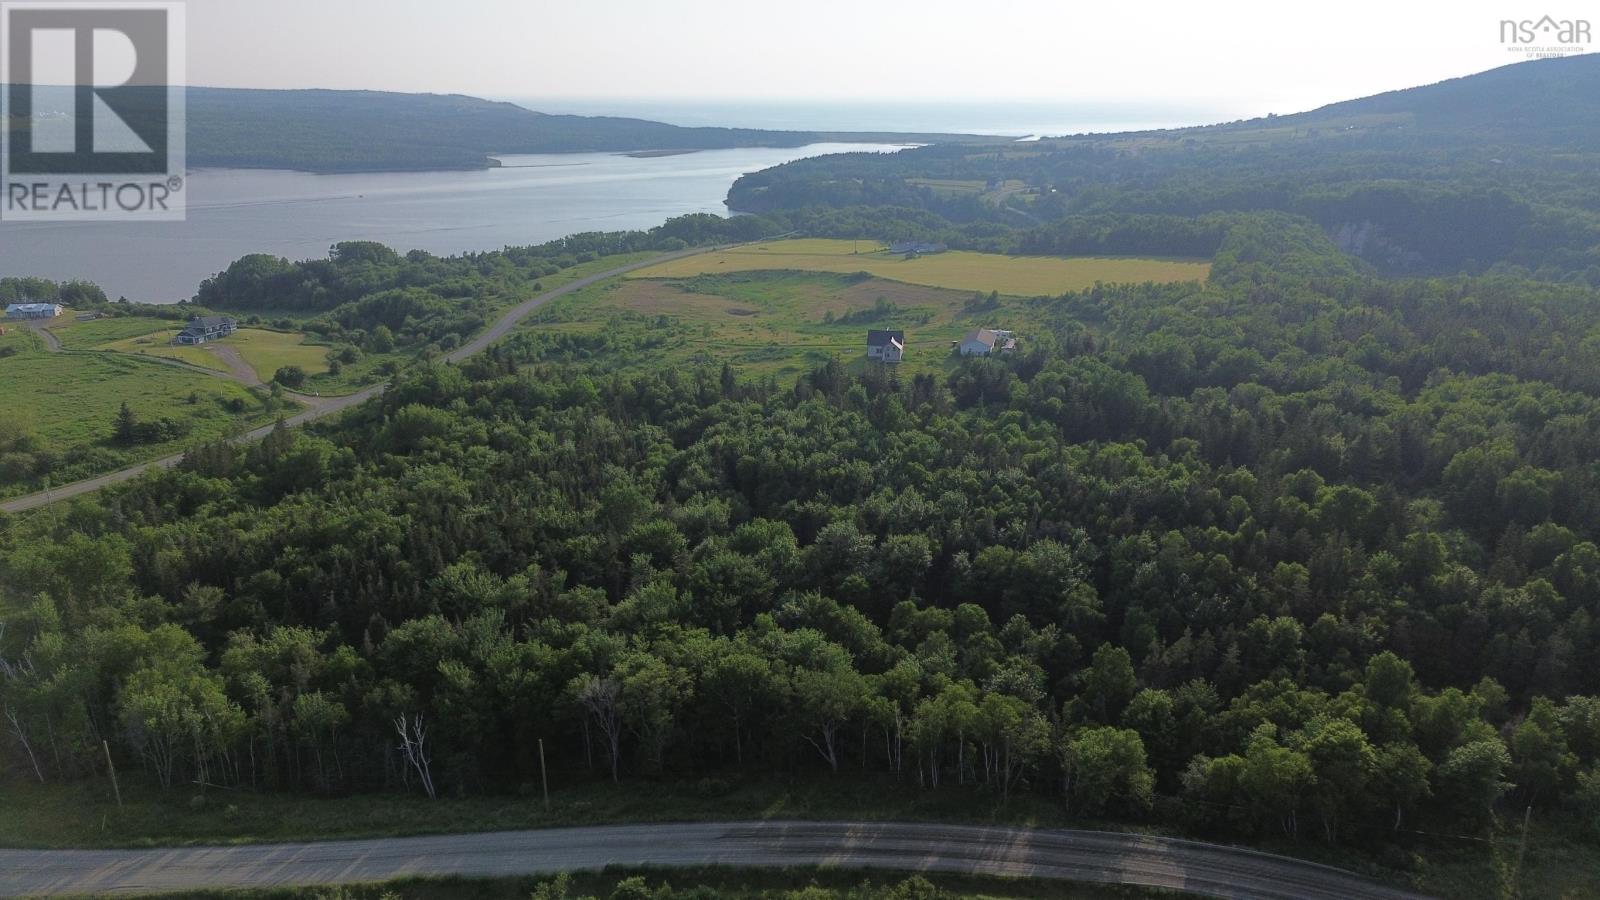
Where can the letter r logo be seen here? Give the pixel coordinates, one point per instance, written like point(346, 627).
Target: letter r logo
point(87, 88)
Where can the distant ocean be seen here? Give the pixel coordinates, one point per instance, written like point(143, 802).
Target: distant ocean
point(1004, 117)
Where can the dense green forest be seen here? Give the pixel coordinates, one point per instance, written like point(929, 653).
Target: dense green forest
point(334, 131)
point(1303, 552)
point(1308, 552)
point(1487, 173)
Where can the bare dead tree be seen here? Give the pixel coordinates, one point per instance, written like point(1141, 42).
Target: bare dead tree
point(414, 745)
point(598, 696)
point(22, 737)
point(14, 671)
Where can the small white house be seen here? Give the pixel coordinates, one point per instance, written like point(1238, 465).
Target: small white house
point(886, 346)
point(33, 310)
point(985, 341)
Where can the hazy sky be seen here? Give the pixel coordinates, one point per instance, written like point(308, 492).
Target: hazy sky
point(1255, 57)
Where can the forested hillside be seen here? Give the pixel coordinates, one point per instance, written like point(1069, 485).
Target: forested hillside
point(331, 131)
point(1486, 173)
point(1301, 552)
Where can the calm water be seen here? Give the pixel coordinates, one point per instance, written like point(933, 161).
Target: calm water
point(233, 212)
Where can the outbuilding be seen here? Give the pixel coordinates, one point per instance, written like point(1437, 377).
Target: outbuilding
point(33, 310)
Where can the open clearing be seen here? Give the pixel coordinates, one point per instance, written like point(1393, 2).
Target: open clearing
point(159, 343)
point(780, 323)
point(1025, 276)
point(268, 351)
point(263, 350)
point(91, 335)
point(68, 403)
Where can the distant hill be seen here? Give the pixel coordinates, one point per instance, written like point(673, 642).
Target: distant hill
point(1490, 170)
point(328, 131)
point(1544, 102)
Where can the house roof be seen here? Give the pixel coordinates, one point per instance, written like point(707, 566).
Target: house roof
point(982, 335)
point(30, 307)
point(879, 337)
point(916, 247)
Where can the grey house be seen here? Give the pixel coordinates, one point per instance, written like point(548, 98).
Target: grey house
point(888, 346)
point(202, 329)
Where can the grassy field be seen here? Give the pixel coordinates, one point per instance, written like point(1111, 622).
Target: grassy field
point(780, 323)
point(68, 403)
point(708, 883)
point(1558, 863)
point(268, 351)
point(159, 343)
point(91, 335)
point(1025, 276)
point(18, 339)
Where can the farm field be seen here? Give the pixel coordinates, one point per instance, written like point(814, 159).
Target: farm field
point(778, 323)
point(1026, 276)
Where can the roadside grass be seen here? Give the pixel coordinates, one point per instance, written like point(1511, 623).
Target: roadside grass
point(68, 403)
point(781, 323)
point(1026, 276)
point(18, 339)
point(159, 343)
point(706, 883)
point(1561, 859)
point(268, 351)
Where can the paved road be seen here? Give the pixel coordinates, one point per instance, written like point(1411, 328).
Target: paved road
point(1203, 869)
point(330, 405)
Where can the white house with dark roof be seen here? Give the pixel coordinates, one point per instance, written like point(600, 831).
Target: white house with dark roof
point(886, 346)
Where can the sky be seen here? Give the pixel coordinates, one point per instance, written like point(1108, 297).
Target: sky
point(1247, 57)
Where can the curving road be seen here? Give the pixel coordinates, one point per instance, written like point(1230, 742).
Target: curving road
point(51, 342)
point(1202, 869)
point(329, 405)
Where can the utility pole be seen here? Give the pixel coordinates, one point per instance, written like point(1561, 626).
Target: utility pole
point(544, 779)
point(112, 768)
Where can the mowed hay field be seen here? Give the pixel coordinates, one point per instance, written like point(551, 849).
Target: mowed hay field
point(1023, 276)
